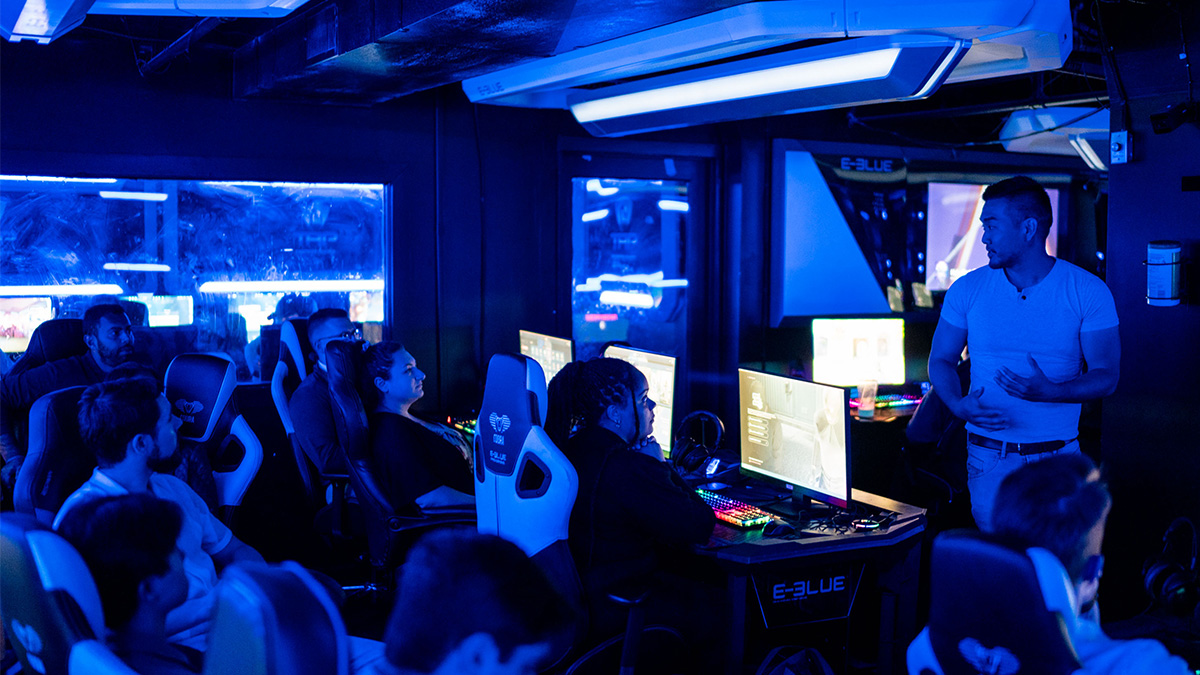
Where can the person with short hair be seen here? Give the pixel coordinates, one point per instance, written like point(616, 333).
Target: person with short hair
point(129, 427)
point(109, 339)
point(1060, 504)
point(472, 604)
point(129, 545)
point(1042, 335)
point(311, 404)
point(424, 465)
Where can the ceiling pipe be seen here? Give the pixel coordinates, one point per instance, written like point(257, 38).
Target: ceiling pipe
point(203, 27)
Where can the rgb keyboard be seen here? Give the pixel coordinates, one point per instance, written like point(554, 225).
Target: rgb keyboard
point(734, 512)
point(465, 425)
point(891, 401)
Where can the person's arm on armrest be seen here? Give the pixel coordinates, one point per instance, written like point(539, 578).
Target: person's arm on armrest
point(444, 497)
point(1101, 352)
point(948, 343)
point(236, 551)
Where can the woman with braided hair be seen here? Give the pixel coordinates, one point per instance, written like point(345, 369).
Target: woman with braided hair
point(633, 514)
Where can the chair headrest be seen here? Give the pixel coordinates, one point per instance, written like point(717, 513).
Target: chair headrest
point(199, 387)
point(987, 603)
point(294, 347)
point(58, 462)
point(280, 614)
point(514, 401)
point(53, 340)
point(50, 600)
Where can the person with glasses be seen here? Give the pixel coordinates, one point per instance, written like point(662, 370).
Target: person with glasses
point(424, 465)
point(311, 405)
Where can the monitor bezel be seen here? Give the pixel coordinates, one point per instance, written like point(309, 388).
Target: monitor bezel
point(798, 491)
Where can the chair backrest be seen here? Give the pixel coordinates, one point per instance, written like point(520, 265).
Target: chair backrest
point(200, 388)
point(52, 340)
point(275, 620)
point(344, 361)
point(57, 462)
point(525, 486)
point(52, 612)
point(996, 609)
point(290, 370)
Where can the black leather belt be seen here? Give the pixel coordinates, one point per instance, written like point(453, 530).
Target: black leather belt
point(1019, 448)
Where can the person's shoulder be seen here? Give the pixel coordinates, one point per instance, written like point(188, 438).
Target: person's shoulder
point(166, 486)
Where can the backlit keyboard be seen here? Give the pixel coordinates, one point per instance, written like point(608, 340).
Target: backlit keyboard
point(734, 512)
point(891, 401)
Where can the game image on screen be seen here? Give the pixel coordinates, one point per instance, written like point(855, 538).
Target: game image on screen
point(551, 353)
point(659, 370)
point(796, 433)
point(19, 317)
point(849, 351)
point(953, 231)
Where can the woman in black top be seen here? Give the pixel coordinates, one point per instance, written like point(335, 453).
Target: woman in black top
point(633, 514)
point(424, 465)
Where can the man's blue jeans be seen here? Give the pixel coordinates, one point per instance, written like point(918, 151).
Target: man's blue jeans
point(986, 469)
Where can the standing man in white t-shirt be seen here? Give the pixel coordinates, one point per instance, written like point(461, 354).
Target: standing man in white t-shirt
point(1042, 337)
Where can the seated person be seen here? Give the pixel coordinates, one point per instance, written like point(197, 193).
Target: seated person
point(128, 425)
point(311, 404)
point(128, 542)
point(109, 339)
point(1061, 505)
point(421, 462)
point(471, 604)
point(633, 513)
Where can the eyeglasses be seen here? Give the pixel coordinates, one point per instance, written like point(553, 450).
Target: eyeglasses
point(347, 335)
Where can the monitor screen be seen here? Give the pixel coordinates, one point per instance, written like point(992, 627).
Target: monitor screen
point(796, 433)
point(19, 317)
point(952, 234)
point(849, 351)
point(659, 370)
point(551, 353)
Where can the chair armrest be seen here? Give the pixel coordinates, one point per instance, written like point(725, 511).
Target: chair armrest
point(630, 594)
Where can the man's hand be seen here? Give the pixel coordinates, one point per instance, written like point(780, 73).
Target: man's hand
point(1036, 387)
point(971, 409)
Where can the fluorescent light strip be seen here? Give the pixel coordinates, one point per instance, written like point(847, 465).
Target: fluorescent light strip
point(627, 299)
point(137, 267)
point(77, 289)
point(594, 185)
point(1086, 152)
point(56, 179)
point(673, 205)
point(809, 75)
point(252, 183)
point(308, 286)
point(594, 215)
point(135, 196)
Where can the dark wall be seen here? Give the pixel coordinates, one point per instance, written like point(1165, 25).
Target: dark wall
point(1150, 441)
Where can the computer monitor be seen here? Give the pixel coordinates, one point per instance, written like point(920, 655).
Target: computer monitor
point(849, 351)
point(952, 232)
point(796, 433)
point(551, 353)
point(659, 370)
point(19, 317)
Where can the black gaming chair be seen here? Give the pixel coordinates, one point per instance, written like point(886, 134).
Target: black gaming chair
point(52, 613)
point(52, 340)
point(57, 462)
point(275, 620)
point(290, 370)
point(391, 528)
point(997, 610)
point(200, 388)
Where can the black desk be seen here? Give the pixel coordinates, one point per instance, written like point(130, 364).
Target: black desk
point(759, 565)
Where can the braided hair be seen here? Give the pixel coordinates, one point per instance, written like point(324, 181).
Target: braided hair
point(582, 391)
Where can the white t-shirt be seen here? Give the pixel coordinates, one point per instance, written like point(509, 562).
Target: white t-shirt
point(202, 536)
point(1004, 326)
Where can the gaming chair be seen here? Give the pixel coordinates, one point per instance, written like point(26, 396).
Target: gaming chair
point(57, 461)
point(200, 388)
point(275, 620)
point(52, 613)
point(995, 609)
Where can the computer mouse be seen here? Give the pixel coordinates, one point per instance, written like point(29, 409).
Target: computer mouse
point(778, 528)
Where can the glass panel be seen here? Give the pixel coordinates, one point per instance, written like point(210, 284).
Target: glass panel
point(628, 277)
point(225, 258)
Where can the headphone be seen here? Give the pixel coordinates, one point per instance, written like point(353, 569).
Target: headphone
point(693, 446)
point(1170, 580)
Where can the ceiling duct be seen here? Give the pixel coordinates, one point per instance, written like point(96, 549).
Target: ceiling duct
point(956, 40)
